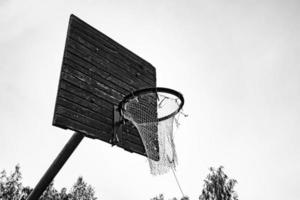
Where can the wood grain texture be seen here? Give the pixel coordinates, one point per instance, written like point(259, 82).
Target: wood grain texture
point(96, 74)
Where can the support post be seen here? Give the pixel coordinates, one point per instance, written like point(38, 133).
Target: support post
point(56, 166)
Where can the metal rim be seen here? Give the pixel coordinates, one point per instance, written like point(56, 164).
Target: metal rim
point(137, 93)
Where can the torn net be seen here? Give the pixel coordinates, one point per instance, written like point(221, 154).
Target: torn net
point(144, 112)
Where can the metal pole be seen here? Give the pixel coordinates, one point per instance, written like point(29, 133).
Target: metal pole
point(56, 166)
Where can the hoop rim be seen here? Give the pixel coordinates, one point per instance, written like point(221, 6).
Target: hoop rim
point(155, 90)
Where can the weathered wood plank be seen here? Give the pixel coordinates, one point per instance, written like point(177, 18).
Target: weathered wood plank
point(83, 85)
point(94, 75)
point(88, 96)
point(74, 125)
point(93, 82)
point(69, 104)
point(65, 94)
point(105, 65)
point(103, 128)
point(129, 128)
point(113, 46)
point(134, 139)
point(110, 55)
point(69, 55)
point(132, 147)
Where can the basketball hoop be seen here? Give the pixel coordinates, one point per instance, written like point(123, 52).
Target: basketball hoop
point(152, 111)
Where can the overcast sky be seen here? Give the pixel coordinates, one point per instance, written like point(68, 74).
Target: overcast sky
point(236, 62)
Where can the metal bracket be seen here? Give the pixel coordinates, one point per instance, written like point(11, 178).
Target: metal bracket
point(117, 129)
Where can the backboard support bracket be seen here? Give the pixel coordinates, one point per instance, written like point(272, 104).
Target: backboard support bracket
point(117, 129)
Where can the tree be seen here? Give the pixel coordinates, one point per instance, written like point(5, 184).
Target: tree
point(217, 186)
point(11, 188)
point(25, 192)
point(185, 198)
point(50, 193)
point(63, 194)
point(160, 197)
point(82, 191)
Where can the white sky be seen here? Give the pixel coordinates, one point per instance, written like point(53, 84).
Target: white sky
point(236, 62)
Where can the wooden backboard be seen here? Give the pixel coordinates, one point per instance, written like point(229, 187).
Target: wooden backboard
point(96, 74)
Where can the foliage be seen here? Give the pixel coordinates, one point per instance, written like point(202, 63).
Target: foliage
point(217, 186)
point(50, 193)
point(82, 191)
point(185, 198)
point(25, 192)
point(11, 188)
point(161, 197)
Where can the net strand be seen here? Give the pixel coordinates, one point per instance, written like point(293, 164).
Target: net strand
point(178, 184)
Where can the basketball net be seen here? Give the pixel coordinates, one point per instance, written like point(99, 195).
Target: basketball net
point(144, 112)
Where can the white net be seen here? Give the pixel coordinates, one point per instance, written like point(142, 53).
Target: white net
point(144, 112)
